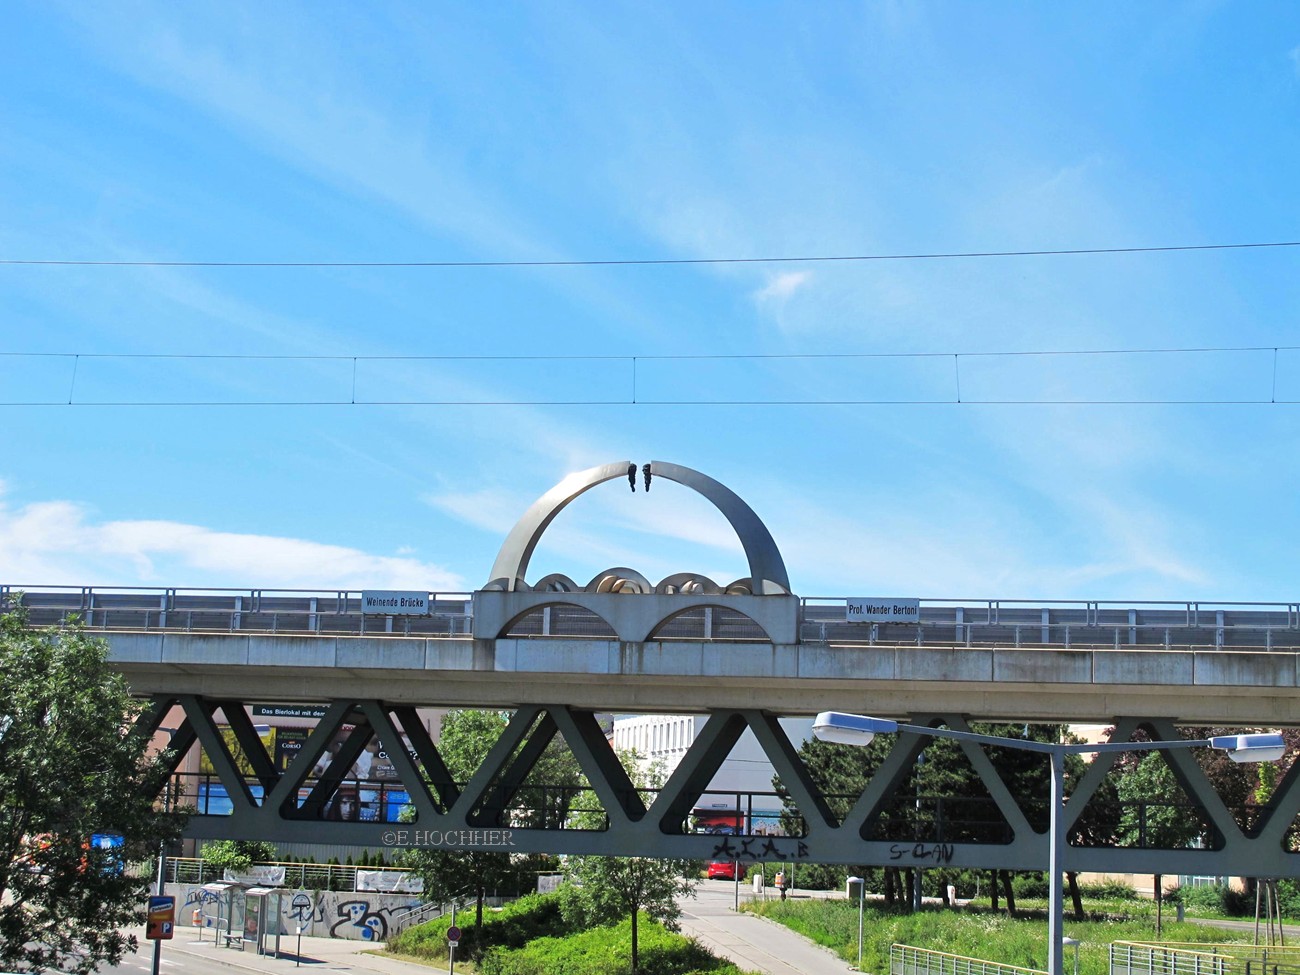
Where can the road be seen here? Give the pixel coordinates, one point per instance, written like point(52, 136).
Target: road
point(173, 963)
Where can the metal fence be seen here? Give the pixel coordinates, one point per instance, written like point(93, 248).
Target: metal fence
point(308, 876)
point(1139, 958)
point(906, 960)
point(974, 623)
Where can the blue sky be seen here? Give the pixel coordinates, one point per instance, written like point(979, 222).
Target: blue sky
point(331, 132)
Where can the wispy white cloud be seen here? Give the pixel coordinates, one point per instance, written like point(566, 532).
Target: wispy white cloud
point(59, 543)
point(841, 554)
point(782, 286)
point(494, 509)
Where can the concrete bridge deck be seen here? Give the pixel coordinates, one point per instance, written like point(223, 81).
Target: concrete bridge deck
point(1075, 661)
point(1007, 683)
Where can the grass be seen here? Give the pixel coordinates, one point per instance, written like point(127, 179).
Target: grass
point(973, 932)
point(531, 937)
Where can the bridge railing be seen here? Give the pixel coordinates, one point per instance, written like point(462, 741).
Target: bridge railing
point(1083, 624)
point(227, 610)
point(974, 623)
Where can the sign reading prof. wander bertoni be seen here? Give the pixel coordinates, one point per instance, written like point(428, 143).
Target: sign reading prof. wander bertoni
point(876, 610)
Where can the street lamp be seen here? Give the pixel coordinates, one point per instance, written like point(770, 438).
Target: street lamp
point(860, 729)
point(862, 896)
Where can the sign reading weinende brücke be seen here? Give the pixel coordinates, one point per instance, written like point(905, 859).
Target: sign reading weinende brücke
point(394, 602)
point(876, 610)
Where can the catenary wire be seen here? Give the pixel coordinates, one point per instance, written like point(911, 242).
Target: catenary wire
point(636, 397)
point(652, 262)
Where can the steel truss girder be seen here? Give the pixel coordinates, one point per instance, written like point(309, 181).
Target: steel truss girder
point(468, 817)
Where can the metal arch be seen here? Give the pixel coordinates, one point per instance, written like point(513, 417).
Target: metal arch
point(766, 567)
point(516, 551)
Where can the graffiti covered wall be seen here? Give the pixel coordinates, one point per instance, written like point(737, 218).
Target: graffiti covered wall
point(356, 915)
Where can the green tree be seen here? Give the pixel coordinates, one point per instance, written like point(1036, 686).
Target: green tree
point(1154, 808)
point(465, 740)
point(71, 769)
point(237, 855)
point(605, 890)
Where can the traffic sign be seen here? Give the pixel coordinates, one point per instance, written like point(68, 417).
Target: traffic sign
point(453, 935)
point(161, 918)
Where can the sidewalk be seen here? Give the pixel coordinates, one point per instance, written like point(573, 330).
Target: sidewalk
point(752, 942)
point(334, 954)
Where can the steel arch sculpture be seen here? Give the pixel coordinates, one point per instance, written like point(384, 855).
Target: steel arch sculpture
point(766, 567)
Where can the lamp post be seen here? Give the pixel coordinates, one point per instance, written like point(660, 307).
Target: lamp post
point(862, 896)
point(860, 729)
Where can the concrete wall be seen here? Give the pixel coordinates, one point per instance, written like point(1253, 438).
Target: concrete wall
point(356, 915)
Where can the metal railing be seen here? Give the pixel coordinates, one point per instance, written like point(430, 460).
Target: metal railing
point(972, 623)
point(906, 960)
point(309, 876)
point(287, 611)
point(1139, 958)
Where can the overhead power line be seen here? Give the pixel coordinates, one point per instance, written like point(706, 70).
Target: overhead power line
point(1254, 375)
point(651, 262)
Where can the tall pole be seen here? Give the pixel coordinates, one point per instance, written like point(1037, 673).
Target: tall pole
point(862, 896)
point(1055, 867)
point(162, 883)
point(162, 874)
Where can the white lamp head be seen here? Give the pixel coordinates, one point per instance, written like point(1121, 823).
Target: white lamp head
point(1251, 748)
point(851, 729)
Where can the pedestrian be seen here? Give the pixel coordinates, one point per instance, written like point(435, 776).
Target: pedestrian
point(780, 883)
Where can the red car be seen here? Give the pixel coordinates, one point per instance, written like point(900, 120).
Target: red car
point(726, 870)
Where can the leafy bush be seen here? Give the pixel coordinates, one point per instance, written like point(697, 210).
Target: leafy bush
point(237, 854)
point(513, 926)
point(607, 951)
point(1029, 884)
point(1109, 890)
point(1219, 899)
point(1288, 896)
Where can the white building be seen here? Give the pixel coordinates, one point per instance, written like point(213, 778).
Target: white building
point(742, 786)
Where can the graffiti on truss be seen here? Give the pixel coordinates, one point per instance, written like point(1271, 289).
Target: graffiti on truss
point(938, 852)
point(749, 848)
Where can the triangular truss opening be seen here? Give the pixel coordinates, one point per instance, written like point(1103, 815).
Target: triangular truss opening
point(953, 796)
point(696, 799)
point(1154, 800)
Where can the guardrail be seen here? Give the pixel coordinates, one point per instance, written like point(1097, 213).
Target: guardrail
point(969, 623)
point(906, 960)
